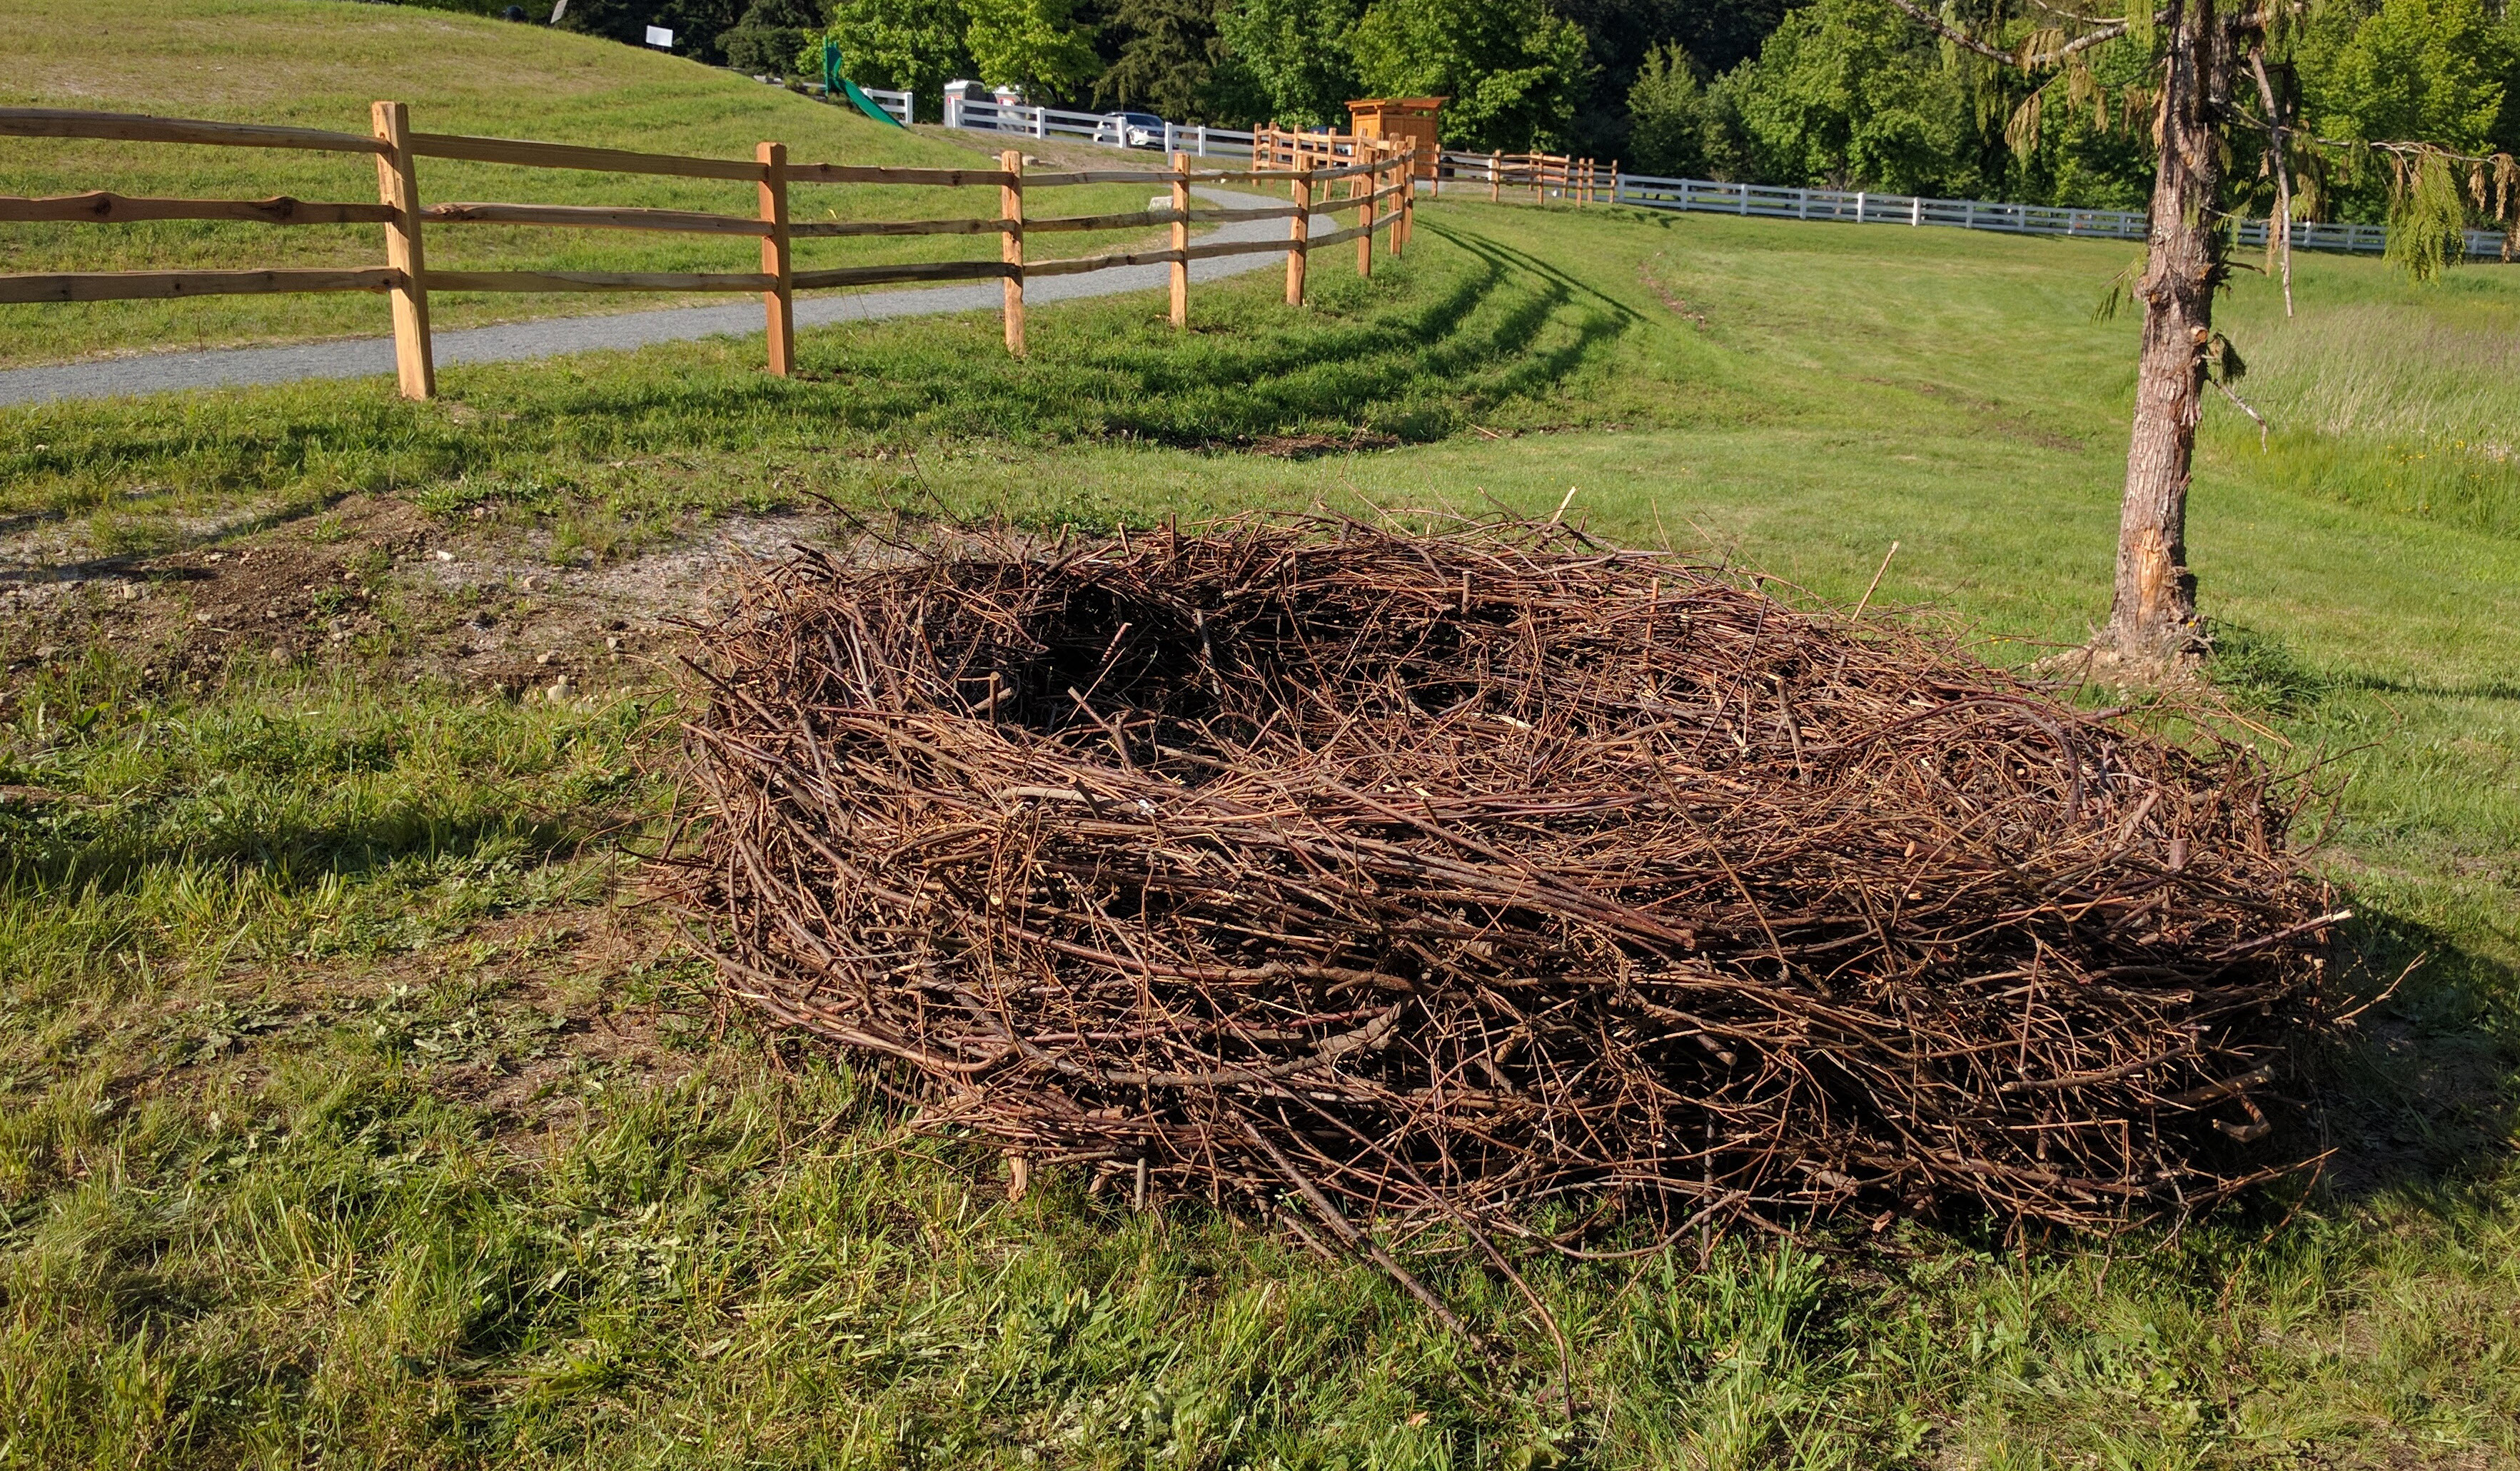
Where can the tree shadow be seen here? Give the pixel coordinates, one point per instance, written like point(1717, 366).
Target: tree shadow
point(2481, 689)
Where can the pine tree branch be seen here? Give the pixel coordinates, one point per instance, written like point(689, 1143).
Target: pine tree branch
point(2020, 60)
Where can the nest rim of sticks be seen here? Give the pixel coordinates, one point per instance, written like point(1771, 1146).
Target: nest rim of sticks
point(1355, 873)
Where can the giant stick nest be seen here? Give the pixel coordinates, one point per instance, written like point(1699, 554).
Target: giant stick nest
point(1489, 875)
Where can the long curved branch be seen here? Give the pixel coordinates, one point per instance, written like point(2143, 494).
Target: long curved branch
point(1967, 42)
point(2280, 220)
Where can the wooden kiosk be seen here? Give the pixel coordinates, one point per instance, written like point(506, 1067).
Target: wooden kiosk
point(1404, 121)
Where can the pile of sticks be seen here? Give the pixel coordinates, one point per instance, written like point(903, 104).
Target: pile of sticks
point(1490, 877)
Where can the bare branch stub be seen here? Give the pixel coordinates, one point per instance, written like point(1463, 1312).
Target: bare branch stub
point(1487, 869)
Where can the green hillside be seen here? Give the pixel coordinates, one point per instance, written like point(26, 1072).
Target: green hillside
point(321, 63)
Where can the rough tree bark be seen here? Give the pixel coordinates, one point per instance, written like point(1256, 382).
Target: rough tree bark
point(2152, 618)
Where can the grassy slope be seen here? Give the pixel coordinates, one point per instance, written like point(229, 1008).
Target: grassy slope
point(320, 64)
point(276, 1186)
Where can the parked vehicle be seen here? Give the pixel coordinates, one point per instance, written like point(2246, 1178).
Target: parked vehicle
point(1131, 130)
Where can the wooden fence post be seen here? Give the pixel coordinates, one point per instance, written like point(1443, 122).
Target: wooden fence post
point(1406, 173)
point(1181, 240)
point(1362, 187)
point(778, 259)
point(1496, 177)
point(399, 189)
point(1299, 231)
point(1011, 247)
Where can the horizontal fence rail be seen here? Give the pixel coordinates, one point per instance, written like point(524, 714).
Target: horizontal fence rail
point(901, 106)
point(1581, 180)
point(1112, 129)
point(1376, 177)
point(1862, 206)
point(1545, 175)
point(898, 104)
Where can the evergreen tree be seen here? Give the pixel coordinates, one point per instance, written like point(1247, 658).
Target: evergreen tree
point(1717, 35)
point(696, 23)
point(1169, 54)
point(770, 35)
point(1677, 127)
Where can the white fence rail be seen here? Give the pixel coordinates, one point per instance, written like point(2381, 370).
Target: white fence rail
point(1862, 207)
point(898, 104)
point(901, 104)
point(1770, 201)
point(1109, 128)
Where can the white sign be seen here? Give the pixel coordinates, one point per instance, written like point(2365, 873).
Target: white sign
point(658, 35)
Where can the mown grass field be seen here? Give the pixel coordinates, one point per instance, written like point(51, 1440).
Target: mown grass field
point(321, 63)
point(354, 1109)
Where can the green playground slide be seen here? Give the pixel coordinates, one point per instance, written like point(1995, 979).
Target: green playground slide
point(868, 105)
point(834, 83)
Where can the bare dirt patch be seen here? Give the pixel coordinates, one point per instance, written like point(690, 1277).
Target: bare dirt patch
point(375, 581)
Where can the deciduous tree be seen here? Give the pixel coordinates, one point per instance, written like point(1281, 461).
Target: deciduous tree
point(1037, 45)
point(1295, 53)
point(1849, 94)
point(2222, 92)
point(1514, 70)
point(913, 45)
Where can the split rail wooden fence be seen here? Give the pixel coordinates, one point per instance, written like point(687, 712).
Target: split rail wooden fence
point(1545, 175)
point(1278, 150)
point(1374, 176)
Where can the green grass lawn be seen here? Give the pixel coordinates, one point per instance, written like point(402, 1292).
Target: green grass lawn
point(352, 1108)
point(259, 61)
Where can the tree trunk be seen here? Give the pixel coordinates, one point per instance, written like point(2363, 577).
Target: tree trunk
point(2153, 621)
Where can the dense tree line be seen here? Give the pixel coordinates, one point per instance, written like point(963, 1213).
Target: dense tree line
point(1856, 94)
point(1850, 93)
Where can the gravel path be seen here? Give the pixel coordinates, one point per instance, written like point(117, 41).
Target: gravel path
point(229, 367)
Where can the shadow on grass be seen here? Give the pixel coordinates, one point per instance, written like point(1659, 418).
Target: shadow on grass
point(2483, 689)
point(2418, 1097)
point(112, 857)
point(1431, 344)
point(2418, 1094)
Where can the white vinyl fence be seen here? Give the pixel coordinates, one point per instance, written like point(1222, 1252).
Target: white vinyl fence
point(898, 104)
point(1770, 201)
point(1861, 207)
point(1107, 128)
